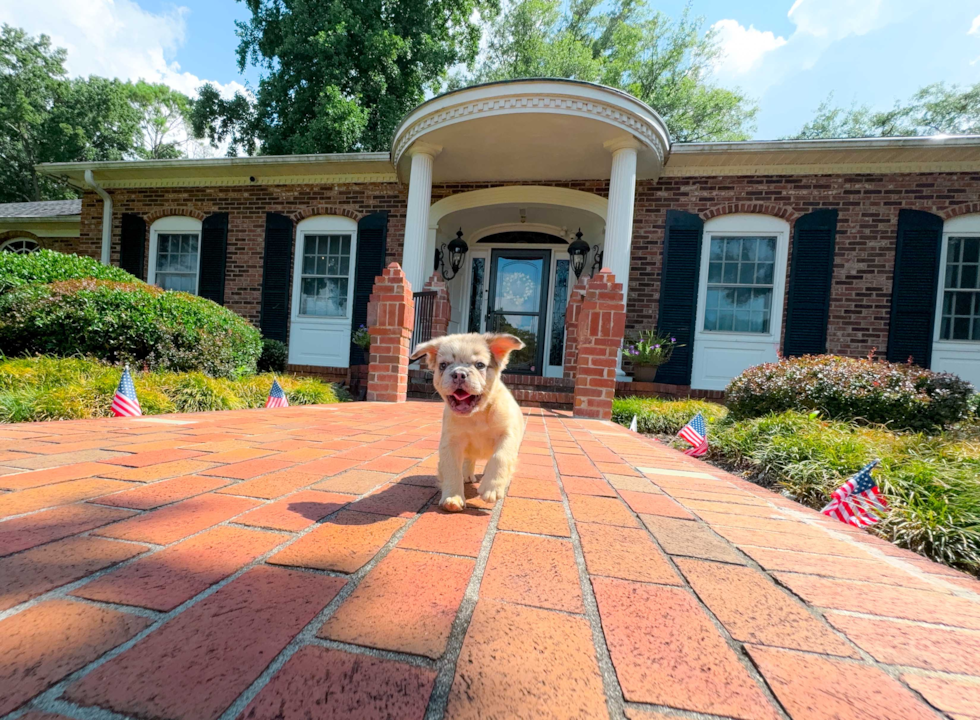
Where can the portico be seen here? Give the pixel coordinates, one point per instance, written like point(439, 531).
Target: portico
point(515, 168)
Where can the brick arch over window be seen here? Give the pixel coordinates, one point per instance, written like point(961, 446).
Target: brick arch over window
point(967, 209)
point(171, 212)
point(781, 211)
point(12, 234)
point(326, 210)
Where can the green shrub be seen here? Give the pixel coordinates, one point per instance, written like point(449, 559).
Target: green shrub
point(44, 388)
point(47, 266)
point(135, 323)
point(929, 480)
point(901, 396)
point(657, 415)
point(273, 357)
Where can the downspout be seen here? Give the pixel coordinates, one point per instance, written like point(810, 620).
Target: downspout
point(106, 217)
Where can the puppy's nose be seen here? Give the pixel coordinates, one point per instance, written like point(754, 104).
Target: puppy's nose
point(459, 375)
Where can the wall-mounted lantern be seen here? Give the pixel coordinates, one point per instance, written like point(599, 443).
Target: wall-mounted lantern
point(456, 250)
point(579, 253)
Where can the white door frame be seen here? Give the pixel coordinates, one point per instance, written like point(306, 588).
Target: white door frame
point(720, 356)
point(317, 340)
point(961, 357)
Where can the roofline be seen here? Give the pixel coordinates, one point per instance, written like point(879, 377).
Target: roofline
point(55, 169)
point(871, 143)
point(27, 220)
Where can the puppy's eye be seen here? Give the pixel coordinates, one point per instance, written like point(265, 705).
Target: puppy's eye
point(480, 366)
point(443, 366)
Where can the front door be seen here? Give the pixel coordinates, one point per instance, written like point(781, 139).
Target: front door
point(518, 303)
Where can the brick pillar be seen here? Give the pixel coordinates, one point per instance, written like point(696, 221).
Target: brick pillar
point(391, 319)
point(440, 308)
point(601, 324)
point(572, 311)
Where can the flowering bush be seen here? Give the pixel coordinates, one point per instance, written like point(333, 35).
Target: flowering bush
point(648, 348)
point(362, 338)
point(902, 396)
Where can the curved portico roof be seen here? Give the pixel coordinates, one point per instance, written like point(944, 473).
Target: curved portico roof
point(532, 129)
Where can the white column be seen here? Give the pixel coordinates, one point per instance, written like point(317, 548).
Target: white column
point(619, 215)
point(618, 243)
point(417, 215)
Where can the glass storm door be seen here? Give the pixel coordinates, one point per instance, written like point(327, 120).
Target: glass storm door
point(518, 303)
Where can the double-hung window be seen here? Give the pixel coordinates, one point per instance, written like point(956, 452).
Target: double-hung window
point(960, 317)
point(175, 253)
point(324, 275)
point(739, 292)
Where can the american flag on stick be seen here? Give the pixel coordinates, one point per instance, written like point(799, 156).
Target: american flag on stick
point(695, 433)
point(277, 398)
point(125, 403)
point(858, 502)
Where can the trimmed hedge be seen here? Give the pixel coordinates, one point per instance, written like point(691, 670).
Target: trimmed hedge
point(44, 388)
point(123, 322)
point(902, 396)
point(47, 266)
point(274, 356)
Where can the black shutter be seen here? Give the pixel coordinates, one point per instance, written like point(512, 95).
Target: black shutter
point(274, 317)
point(214, 248)
point(132, 244)
point(679, 292)
point(810, 277)
point(372, 244)
point(914, 287)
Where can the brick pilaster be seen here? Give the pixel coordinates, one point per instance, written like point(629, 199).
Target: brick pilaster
point(441, 308)
point(601, 324)
point(572, 311)
point(391, 319)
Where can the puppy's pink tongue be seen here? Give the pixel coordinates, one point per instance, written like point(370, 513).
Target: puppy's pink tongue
point(461, 394)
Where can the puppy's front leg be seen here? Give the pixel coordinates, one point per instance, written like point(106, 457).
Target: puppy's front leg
point(500, 468)
point(451, 478)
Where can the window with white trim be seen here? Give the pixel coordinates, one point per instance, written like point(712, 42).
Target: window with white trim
point(960, 318)
point(325, 275)
point(175, 253)
point(740, 284)
point(20, 246)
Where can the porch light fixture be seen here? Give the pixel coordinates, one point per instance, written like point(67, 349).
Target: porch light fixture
point(457, 249)
point(579, 252)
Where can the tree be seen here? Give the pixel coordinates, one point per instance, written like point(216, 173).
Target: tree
point(338, 76)
point(936, 109)
point(45, 116)
point(622, 44)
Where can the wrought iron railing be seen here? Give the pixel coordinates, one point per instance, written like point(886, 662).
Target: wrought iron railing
point(425, 303)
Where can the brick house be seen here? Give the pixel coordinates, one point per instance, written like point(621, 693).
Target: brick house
point(740, 250)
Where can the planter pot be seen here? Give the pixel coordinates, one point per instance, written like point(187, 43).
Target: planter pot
point(645, 373)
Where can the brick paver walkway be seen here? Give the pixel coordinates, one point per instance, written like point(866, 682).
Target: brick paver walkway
point(290, 564)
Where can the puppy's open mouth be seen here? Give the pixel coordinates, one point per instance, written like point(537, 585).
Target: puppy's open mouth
point(462, 402)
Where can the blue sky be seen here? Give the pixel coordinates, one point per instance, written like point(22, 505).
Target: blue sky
point(788, 54)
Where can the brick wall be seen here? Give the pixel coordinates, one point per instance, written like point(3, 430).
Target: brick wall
point(868, 212)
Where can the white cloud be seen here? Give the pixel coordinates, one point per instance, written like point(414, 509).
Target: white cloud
point(113, 38)
point(975, 27)
point(743, 48)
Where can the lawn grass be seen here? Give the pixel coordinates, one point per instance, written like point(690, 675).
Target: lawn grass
point(44, 388)
point(931, 481)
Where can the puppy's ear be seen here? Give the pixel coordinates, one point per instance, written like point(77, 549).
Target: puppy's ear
point(428, 350)
point(501, 346)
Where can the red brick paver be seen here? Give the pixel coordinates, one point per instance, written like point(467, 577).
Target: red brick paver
point(307, 572)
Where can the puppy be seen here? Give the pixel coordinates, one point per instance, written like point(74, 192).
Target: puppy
point(481, 421)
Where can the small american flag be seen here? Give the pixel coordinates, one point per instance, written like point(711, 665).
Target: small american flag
point(125, 403)
point(695, 433)
point(858, 502)
point(633, 424)
point(277, 398)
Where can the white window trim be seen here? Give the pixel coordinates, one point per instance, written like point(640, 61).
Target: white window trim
point(11, 241)
point(746, 225)
point(323, 225)
point(174, 224)
point(962, 226)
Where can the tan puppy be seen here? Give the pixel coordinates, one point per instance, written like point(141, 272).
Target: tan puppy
point(482, 421)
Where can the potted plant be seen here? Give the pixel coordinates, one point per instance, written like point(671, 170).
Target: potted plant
point(648, 350)
point(362, 338)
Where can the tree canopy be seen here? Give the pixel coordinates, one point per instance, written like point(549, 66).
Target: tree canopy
point(45, 116)
point(337, 76)
point(936, 109)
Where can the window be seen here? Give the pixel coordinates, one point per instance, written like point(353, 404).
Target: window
point(324, 279)
point(175, 254)
point(960, 318)
point(740, 284)
point(20, 246)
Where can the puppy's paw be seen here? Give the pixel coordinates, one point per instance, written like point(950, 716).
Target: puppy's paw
point(453, 504)
point(492, 491)
point(470, 479)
